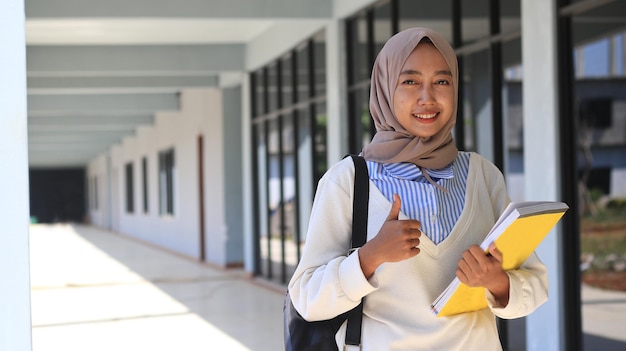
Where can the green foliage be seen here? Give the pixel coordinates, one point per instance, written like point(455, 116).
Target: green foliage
point(603, 239)
point(596, 194)
point(601, 245)
point(617, 204)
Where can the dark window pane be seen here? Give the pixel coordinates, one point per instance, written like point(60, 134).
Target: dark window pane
point(130, 208)
point(475, 20)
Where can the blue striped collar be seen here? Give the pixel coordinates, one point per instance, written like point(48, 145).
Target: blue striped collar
point(409, 171)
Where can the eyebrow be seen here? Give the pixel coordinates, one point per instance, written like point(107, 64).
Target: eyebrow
point(414, 72)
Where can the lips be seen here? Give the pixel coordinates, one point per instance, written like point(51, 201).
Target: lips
point(426, 116)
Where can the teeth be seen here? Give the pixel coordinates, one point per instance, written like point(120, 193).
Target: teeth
point(428, 116)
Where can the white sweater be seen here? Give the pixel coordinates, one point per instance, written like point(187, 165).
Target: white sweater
point(396, 313)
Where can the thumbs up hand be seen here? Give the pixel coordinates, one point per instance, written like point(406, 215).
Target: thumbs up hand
point(394, 213)
point(396, 241)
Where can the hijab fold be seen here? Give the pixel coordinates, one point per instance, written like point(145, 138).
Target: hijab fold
point(392, 143)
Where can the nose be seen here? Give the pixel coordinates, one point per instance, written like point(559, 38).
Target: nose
point(426, 95)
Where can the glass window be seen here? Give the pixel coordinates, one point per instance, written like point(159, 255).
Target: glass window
point(477, 104)
point(599, 102)
point(510, 16)
point(306, 185)
point(289, 200)
point(272, 87)
point(619, 57)
point(258, 97)
point(288, 92)
point(290, 148)
point(359, 56)
point(595, 164)
point(475, 20)
point(319, 64)
point(130, 199)
point(426, 13)
point(262, 215)
point(596, 58)
point(95, 192)
point(302, 69)
point(166, 182)
point(321, 140)
point(144, 181)
point(382, 27)
point(274, 180)
point(362, 128)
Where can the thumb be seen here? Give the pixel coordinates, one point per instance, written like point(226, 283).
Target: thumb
point(395, 208)
point(494, 252)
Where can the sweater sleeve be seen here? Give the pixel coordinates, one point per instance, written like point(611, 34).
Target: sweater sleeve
point(327, 282)
point(528, 284)
point(528, 290)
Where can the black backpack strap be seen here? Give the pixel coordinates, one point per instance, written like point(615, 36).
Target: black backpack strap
point(359, 236)
point(360, 204)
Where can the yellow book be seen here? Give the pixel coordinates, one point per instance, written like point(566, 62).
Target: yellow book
point(517, 233)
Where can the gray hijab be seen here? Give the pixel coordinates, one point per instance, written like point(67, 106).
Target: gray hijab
point(392, 143)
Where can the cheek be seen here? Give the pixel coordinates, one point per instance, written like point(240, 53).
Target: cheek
point(446, 99)
point(399, 101)
point(447, 95)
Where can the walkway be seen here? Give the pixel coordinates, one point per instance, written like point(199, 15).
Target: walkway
point(95, 290)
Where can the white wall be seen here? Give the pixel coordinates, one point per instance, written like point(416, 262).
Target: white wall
point(97, 168)
point(200, 114)
point(345, 8)
point(14, 208)
point(618, 183)
point(515, 185)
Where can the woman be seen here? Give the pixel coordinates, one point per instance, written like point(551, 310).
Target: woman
point(429, 207)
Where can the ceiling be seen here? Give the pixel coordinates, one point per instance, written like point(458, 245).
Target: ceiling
point(96, 70)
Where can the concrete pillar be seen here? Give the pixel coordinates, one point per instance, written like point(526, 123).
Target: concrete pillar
point(247, 179)
point(544, 328)
point(15, 323)
point(336, 91)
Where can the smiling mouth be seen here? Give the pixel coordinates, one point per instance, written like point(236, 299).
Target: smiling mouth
point(425, 115)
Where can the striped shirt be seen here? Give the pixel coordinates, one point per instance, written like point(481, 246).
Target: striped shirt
point(438, 211)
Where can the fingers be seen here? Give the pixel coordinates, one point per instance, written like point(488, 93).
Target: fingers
point(411, 241)
point(397, 239)
point(469, 261)
point(475, 268)
point(495, 253)
point(395, 208)
point(477, 254)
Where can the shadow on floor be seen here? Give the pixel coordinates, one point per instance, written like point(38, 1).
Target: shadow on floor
point(229, 300)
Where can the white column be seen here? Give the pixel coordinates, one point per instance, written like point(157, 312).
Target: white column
point(544, 329)
point(246, 167)
point(336, 107)
point(15, 320)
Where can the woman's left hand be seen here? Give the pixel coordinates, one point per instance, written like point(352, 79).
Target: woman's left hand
point(477, 269)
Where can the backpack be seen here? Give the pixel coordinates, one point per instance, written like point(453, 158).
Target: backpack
point(301, 335)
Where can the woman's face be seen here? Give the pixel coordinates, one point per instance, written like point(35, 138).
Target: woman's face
point(423, 101)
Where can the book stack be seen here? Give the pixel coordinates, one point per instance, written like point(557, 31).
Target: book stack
point(517, 233)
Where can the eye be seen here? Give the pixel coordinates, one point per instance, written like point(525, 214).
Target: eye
point(409, 82)
point(442, 82)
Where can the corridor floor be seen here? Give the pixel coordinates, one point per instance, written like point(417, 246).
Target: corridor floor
point(95, 290)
